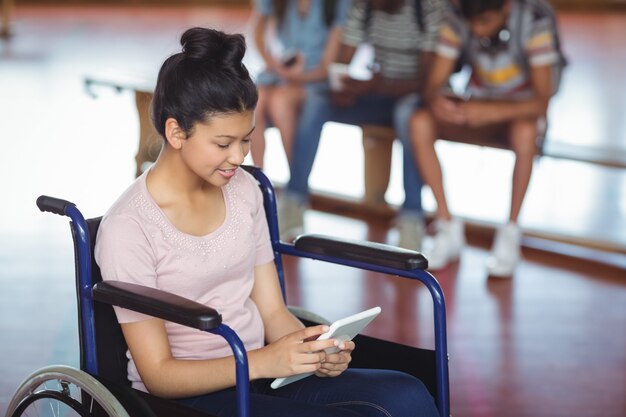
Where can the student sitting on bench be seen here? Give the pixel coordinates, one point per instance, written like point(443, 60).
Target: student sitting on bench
point(513, 51)
point(403, 36)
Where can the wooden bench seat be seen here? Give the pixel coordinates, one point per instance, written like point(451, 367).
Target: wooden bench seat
point(378, 141)
point(377, 149)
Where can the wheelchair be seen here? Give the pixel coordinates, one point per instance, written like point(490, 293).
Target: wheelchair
point(100, 387)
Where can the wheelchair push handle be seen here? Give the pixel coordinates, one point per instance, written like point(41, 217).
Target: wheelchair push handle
point(53, 204)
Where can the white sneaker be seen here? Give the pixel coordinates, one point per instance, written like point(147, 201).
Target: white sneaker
point(410, 232)
point(290, 218)
point(448, 241)
point(506, 252)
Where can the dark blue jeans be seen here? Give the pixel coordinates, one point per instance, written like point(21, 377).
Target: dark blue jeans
point(355, 393)
point(371, 109)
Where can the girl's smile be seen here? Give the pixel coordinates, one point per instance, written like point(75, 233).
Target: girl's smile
point(227, 173)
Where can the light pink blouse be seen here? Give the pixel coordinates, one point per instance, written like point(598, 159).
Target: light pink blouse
point(137, 243)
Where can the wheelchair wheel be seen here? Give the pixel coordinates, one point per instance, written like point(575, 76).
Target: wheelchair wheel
point(57, 391)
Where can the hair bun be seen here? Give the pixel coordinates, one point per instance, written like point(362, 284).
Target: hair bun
point(213, 46)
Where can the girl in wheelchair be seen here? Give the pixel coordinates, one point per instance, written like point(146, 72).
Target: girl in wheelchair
point(194, 225)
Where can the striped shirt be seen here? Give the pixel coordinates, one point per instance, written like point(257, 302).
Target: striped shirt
point(396, 38)
point(503, 71)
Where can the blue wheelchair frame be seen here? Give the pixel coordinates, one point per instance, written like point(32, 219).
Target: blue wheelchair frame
point(410, 271)
point(362, 255)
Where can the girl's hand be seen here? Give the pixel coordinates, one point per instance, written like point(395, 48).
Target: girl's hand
point(351, 89)
point(480, 113)
point(293, 354)
point(336, 363)
point(448, 110)
point(292, 73)
point(360, 87)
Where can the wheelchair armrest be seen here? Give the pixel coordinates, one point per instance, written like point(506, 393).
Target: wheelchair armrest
point(362, 251)
point(157, 303)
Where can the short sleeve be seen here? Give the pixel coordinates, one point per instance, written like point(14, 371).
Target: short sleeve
point(264, 7)
point(124, 253)
point(450, 39)
point(541, 44)
point(264, 250)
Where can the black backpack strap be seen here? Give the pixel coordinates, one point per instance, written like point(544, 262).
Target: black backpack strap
point(541, 9)
point(419, 14)
point(329, 12)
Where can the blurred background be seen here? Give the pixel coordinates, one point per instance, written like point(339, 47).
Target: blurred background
point(549, 342)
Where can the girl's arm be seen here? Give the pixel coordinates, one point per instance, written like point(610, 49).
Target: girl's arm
point(289, 352)
point(331, 54)
point(167, 377)
point(443, 108)
point(261, 23)
point(266, 294)
point(480, 113)
point(439, 72)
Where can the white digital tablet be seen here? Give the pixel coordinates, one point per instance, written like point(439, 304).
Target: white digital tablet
point(343, 329)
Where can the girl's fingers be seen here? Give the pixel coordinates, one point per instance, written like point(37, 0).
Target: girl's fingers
point(312, 332)
point(320, 345)
point(347, 346)
point(312, 357)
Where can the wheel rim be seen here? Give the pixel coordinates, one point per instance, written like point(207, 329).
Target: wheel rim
point(62, 391)
point(58, 398)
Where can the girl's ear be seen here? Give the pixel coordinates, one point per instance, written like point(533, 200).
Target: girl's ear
point(174, 134)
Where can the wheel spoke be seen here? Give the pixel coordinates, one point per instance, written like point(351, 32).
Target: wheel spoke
point(60, 391)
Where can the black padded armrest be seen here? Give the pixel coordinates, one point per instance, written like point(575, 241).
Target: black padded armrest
point(362, 251)
point(157, 303)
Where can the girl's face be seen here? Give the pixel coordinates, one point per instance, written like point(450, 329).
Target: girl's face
point(489, 23)
point(216, 149)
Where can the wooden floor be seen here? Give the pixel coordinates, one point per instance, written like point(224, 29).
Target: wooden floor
point(549, 342)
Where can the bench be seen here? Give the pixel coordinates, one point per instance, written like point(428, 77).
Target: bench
point(378, 142)
point(377, 147)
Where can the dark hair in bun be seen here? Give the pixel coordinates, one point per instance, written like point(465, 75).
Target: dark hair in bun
point(207, 78)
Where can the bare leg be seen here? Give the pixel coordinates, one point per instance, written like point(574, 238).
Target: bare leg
point(523, 134)
point(284, 109)
point(5, 23)
point(424, 132)
point(257, 147)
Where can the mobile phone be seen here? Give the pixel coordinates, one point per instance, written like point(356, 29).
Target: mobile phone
point(452, 95)
point(289, 58)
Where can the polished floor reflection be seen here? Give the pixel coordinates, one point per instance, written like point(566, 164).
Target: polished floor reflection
point(550, 342)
